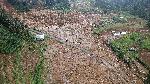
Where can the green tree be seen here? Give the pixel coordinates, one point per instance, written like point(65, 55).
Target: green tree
point(140, 8)
point(20, 5)
point(62, 4)
point(148, 24)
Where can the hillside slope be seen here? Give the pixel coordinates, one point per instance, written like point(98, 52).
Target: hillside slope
point(74, 55)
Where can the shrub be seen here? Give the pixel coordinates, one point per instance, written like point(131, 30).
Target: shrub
point(146, 43)
point(12, 33)
point(9, 42)
point(119, 20)
point(148, 24)
point(14, 25)
point(20, 6)
point(147, 81)
point(97, 31)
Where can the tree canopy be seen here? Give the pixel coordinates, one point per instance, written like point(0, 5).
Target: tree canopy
point(135, 7)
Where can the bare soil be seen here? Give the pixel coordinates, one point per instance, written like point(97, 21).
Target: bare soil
point(145, 56)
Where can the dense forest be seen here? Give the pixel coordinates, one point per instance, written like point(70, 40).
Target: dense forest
point(28, 4)
point(135, 7)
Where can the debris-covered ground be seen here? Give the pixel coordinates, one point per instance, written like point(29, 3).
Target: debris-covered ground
point(74, 55)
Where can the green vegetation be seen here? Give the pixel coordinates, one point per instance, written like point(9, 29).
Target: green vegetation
point(14, 25)
point(3, 73)
point(98, 30)
point(13, 38)
point(18, 69)
point(148, 23)
point(37, 76)
point(24, 6)
point(148, 79)
point(12, 33)
point(62, 4)
point(146, 43)
point(121, 21)
point(9, 42)
point(136, 7)
point(127, 47)
point(21, 6)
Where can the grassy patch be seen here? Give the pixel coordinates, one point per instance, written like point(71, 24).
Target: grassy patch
point(127, 47)
point(97, 31)
point(146, 43)
point(20, 6)
point(147, 81)
point(121, 21)
point(13, 25)
point(3, 74)
point(148, 23)
point(37, 76)
point(34, 76)
point(13, 38)
point(9, 42)
point(18, 69)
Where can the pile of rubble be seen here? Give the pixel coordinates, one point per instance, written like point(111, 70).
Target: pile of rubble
point(79, 58)
point(71, 28)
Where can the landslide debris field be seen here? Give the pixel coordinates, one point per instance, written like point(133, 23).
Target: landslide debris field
point(78, 47)
point(74, 55)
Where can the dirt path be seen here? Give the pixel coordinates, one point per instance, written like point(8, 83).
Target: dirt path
point(73, 55)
